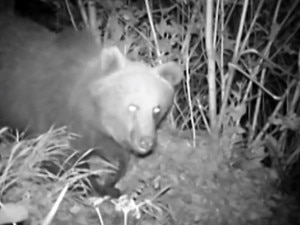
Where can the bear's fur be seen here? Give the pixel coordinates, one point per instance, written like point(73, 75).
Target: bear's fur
point(114, 104)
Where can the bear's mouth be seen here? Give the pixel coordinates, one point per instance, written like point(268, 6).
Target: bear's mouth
point(143, 146)
point(141, 152)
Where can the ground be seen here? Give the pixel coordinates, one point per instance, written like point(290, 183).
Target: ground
point(178, 184)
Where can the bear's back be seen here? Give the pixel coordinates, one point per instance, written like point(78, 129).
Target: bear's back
point(40, 74)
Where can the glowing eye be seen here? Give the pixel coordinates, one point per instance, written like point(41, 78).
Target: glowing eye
point(156, 110)
point(132, 108)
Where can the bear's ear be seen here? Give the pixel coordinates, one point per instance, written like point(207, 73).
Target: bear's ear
point(112, 59)
point(171, 72)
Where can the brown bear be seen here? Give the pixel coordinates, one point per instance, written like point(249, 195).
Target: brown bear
point(113, 103)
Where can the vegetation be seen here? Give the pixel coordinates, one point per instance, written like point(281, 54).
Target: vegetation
point(241, 64)
point(241, 61)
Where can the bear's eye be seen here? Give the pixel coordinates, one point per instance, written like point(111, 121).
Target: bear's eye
point(132, 108)
point(156, 110)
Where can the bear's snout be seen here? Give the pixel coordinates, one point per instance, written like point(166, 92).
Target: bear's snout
point(146, 144)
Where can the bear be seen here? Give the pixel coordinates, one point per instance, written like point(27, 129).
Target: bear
point(114, 104)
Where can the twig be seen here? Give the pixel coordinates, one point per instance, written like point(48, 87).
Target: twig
point(153, 30)
point(55, 207)
point(234, 61)
point(71, 15)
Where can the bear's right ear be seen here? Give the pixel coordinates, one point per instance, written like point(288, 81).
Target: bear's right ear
point(171, 72)
point(112, 59)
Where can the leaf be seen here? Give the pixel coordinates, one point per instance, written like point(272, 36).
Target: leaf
point(234, 130)
point(258, 152)
point(236, 112)
point(115, 28)
point(13, 213)
point(251, 164)
point(164, 45)
point(275, 120)
point(272, 144)
point(291, 121)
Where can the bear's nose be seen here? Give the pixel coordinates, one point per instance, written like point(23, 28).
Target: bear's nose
point(146, 143)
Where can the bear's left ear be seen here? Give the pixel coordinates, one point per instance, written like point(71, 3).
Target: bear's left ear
point(171, 72)
point(112, 59)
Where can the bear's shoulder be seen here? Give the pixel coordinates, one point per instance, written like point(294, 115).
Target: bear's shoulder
point(80, 45)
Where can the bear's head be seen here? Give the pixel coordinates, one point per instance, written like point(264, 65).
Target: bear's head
point(132, 99)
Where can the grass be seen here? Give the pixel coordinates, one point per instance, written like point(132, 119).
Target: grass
point(23, 165)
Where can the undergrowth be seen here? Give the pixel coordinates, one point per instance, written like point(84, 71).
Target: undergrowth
point(23, 166)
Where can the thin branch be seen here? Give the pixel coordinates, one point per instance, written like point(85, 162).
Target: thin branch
point(211, 76)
